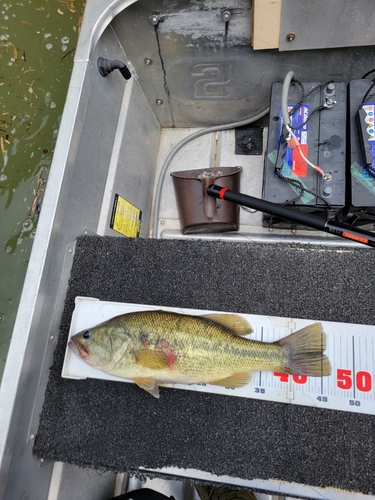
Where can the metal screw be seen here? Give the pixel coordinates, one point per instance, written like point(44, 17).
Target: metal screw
point(226, 15)
point(154, 19)
point(159, 102)
point(290, 37)
point(148, 61)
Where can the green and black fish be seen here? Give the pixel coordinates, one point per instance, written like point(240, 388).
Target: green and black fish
point(158, 347)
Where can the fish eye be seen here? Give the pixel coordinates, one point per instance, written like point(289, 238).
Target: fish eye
point(87, 334)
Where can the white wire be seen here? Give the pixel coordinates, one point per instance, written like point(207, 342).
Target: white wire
point(315, 167)
point(284, 97)
point(167, 162)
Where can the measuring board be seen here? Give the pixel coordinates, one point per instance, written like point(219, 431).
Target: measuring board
point(350, 349)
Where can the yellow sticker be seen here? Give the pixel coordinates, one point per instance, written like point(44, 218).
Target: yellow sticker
point(126, 218)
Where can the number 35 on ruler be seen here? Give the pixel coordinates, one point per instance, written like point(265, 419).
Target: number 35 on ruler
point(344, 379)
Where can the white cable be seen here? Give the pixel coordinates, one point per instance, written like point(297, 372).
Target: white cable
point(304, 158)
point(199, 133)
point(284, 97)
point(298, 146)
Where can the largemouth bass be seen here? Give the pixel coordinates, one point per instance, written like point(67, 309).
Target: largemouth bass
point(158, 347)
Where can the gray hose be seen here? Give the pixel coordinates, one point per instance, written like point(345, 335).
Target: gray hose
point(199, 133)
point(284, 97)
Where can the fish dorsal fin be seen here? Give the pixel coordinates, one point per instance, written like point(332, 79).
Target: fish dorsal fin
point(154, 359)
point(236, 323)
point(148, 384)
point(236, 380)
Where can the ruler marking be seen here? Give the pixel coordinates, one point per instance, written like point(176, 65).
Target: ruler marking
point(353, 366)
point(321, 364)
point(372, 364)
point(347, 352)
point(260, 373)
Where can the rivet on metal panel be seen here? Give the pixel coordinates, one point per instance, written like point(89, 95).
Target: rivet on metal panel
point(52, 337)
point(159, 102)
point(290, 37)
point(148, 61)
point(226, 15)
point(154, 19)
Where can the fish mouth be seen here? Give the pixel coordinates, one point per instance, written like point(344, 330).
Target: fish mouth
point(81, 350)
point(72, 346)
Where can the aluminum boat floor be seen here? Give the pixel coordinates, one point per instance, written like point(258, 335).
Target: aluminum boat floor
point(116, 426)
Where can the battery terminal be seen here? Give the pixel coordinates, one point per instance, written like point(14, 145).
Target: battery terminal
point(329, 91)
point(329, 102)
point(327, 176)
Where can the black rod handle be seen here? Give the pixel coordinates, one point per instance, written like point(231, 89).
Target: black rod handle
point(326, 225)
point(267, 206)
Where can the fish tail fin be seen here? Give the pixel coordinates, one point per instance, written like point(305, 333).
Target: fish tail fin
point(305, 352)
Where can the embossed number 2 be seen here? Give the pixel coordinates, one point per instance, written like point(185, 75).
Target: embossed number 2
point(213, 80)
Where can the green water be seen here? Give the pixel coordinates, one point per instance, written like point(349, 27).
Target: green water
point(37, 45)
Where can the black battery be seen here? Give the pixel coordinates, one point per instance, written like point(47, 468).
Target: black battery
point(318, 119)
point(361, 152)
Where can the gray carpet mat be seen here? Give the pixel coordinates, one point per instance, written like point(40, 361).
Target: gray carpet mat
point(116, 426)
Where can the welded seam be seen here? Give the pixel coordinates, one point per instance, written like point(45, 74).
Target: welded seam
point(166, 88)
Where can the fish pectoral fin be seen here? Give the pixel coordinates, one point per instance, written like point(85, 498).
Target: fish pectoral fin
point(154, 359)
point(148, 384)
point(234, 322)
point(236, 380)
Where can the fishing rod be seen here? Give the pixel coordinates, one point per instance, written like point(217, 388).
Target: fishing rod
point(326, 225)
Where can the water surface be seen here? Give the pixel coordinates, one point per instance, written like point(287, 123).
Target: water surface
point(37, 44)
